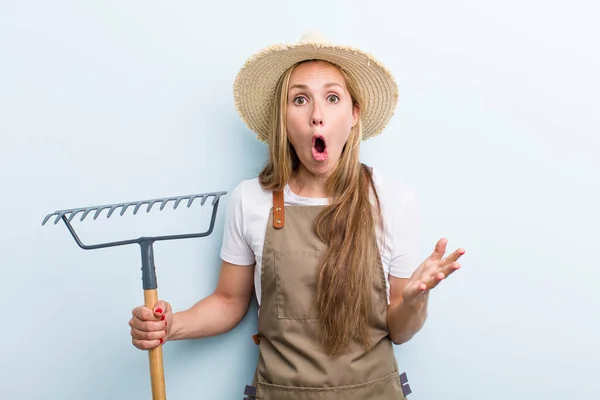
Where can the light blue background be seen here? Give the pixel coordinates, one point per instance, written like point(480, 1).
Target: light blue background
point(497, 127)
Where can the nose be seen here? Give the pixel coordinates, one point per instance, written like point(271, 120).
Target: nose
point(316, 118)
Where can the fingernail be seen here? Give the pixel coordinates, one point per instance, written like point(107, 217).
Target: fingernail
point(162, 318)
point(161, 341)
point(158, 310)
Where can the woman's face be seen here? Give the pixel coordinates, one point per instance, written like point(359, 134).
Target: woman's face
point(320, 115)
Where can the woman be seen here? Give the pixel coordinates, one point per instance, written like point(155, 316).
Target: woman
point(327, 244)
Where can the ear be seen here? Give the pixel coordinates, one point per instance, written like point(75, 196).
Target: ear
point(355, 114)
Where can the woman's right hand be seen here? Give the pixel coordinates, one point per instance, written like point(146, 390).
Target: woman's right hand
point(151, 327)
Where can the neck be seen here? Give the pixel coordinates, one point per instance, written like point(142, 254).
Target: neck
point(307, 184)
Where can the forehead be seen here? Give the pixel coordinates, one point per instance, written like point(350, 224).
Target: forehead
point(316, 70)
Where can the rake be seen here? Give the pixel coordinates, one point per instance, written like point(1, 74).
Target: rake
point(149, 282)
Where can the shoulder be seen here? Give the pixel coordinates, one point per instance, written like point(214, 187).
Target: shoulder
point(248, 190)
point(247, 199)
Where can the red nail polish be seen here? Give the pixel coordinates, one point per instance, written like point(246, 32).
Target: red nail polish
point(158, 310)
point(161, 341)
point(162, 318)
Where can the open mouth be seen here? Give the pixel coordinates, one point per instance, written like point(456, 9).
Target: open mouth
point(319, 145)
point(319, 148)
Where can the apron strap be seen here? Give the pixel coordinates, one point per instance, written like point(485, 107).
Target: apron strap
point(278, 210)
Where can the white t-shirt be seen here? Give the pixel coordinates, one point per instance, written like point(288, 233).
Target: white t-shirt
point(248, 213)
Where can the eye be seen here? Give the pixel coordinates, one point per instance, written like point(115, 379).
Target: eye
point(333, 98)
point(299, 100)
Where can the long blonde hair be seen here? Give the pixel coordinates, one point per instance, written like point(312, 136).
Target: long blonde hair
point(347, 225)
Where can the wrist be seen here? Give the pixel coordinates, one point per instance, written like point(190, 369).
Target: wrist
point(417, 306)
point(176, 327)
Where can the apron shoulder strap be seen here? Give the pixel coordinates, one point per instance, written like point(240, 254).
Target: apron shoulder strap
point(278, 210)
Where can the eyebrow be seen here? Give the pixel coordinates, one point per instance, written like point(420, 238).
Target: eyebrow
point(304, 87)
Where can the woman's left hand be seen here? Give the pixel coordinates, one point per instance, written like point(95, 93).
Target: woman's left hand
point(430, 273)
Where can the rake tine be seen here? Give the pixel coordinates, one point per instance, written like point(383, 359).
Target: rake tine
point(204, 198)
point(87, 211)
point(150, 204)
point(192, 198)
point(59, 216)
point(216, 198)
point(112, 210)
point(164, 203)
point(74, 213)
point(100, 210)
point(125, 207)
point(179, 199)
point(47, 218)
point(137, 207)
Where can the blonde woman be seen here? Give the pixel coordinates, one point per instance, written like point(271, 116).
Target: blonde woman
point(328, 245)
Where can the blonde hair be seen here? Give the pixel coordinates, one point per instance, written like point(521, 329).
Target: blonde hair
point(347, 225)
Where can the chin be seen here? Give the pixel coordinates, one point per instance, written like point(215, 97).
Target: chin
point(320, 167)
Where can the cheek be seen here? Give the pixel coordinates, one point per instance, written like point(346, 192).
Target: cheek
point(344, 122)
point(294, 119)
point(293, 135)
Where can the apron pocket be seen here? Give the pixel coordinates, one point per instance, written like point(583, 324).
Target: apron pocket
point(385, 388)
point(295, 275)
point(266, 391)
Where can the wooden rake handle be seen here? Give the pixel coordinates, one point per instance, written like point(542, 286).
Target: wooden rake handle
point(157, 375)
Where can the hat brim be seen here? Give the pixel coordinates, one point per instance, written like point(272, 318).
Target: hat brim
point(255, 84)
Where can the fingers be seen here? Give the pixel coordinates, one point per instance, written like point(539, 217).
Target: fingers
point(443, 269)
point(146, 344)
point(420, 289)
point(435, 279)
point(150, 327)
point(440, 249)
point(143, 313)
point(161, 308)
point(458, 253)
point(449, 269)
point(431, 272)
point(147, 326)
point(450, 264)
point(148, 335)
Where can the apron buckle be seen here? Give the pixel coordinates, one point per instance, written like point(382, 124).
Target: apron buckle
point(249, 393)
point(404, 383)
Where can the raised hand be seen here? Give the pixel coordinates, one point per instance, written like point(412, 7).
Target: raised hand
point(430, 273)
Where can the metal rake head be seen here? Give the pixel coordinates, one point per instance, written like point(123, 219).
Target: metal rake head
point(68, 215)
point(136, 204)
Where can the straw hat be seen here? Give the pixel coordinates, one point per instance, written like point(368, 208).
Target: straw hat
point(254, 86)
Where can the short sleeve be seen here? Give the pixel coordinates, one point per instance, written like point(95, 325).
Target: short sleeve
point(235, 248)
point(405, 234)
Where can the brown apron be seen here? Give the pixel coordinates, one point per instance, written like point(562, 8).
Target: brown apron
point(291, 364)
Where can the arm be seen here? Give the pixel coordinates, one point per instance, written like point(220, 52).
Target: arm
point(404, 320)
point(222, 310)
point(407, 311)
